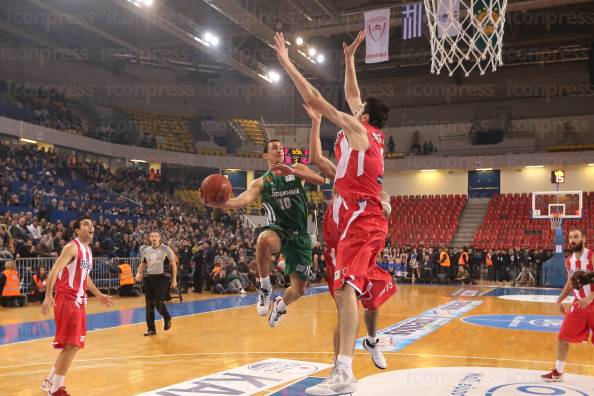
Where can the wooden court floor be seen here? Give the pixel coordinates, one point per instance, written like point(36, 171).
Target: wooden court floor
point(120, 361)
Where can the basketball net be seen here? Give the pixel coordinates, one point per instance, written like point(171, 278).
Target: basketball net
point(556, 221)
point(465, 34)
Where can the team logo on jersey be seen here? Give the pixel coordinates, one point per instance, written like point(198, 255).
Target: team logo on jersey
point(290, 178)
point(85, 264)
point(380, 180)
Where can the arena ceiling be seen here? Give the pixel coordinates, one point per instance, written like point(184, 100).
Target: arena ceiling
point(117, 33)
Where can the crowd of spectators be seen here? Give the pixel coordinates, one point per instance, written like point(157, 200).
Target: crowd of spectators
point(215, 250)
point(514, 267)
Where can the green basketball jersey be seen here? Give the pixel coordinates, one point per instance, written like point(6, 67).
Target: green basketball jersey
point(285, 202)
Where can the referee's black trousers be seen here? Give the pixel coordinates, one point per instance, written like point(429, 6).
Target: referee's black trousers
point(155, 289)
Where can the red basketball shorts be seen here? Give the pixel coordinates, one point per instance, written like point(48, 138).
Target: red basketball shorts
point(351, 251)
point(577, 324)
point(71, 323)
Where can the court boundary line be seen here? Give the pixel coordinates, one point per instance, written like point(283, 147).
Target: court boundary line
point(359, 353)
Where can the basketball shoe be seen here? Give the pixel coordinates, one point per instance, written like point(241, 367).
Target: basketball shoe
point(553, 376)
point(60, 392)
point(275, 314)
point(263, 304)
point(46, 385)
point(340, 381)
point(376, 354)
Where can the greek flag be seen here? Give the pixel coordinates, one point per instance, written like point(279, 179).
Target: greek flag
point(412, 17)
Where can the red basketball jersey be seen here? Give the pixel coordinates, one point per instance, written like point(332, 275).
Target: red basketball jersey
point(360, 174)
point(584, 263)
point(72, 281)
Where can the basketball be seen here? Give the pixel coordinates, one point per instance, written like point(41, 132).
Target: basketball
point(215, 189)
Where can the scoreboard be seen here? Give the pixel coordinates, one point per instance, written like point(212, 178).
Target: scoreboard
point(558, 176)
point(296, 156)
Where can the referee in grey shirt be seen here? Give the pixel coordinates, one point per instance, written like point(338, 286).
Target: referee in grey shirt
point(157, 259)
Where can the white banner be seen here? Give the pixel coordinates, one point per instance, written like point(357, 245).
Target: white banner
point(243, 381)
point(377, 35)
point(448, 18)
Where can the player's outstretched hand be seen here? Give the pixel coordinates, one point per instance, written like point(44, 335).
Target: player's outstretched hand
point(105, 300)
point(48, 303)
point(561, 308)
point(282, 53)
point(349, 50)
point(281, 170)
point(314, 115)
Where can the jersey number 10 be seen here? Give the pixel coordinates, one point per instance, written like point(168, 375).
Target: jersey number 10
point(284, 203)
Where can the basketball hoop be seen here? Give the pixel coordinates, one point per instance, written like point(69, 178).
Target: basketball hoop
point(556, 221)
point(465, 34)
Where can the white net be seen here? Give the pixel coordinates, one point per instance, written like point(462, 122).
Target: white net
point(465, 34)
point(556, 221)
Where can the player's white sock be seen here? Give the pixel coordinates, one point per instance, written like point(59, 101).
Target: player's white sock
point(372, 340)
point(265, 283)
point(58, 383)
point(560, 366)
point(51, 374)
point(344, 361)
point(282, 306)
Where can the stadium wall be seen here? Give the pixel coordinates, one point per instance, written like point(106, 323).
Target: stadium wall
point(513, 180)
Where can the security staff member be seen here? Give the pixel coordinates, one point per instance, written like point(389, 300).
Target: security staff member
point(157, 259)
point(124, 271)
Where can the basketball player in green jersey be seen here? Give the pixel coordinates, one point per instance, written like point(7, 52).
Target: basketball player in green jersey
point(285, 201)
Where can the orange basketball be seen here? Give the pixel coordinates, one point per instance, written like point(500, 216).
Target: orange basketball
point(215, 189)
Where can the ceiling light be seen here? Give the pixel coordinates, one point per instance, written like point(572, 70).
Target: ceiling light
point(273, 76)
point(534, 166)
point(320, 58)
point(138, 161)
point(23, 140)
point(299, 41)
point(484, 169)
point(210, 39)
point(311, 51)
point(428, 170)
point(147, 3)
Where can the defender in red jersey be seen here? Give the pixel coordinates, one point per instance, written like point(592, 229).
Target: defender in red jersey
point(70, 277)
point(383, 284)
point(358, 183)
point(579, 318)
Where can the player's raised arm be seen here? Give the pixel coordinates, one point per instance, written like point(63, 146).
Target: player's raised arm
point(351, 87)
point(353, 128)
point(316, 155)
point(245, 198)
point(68, 254)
